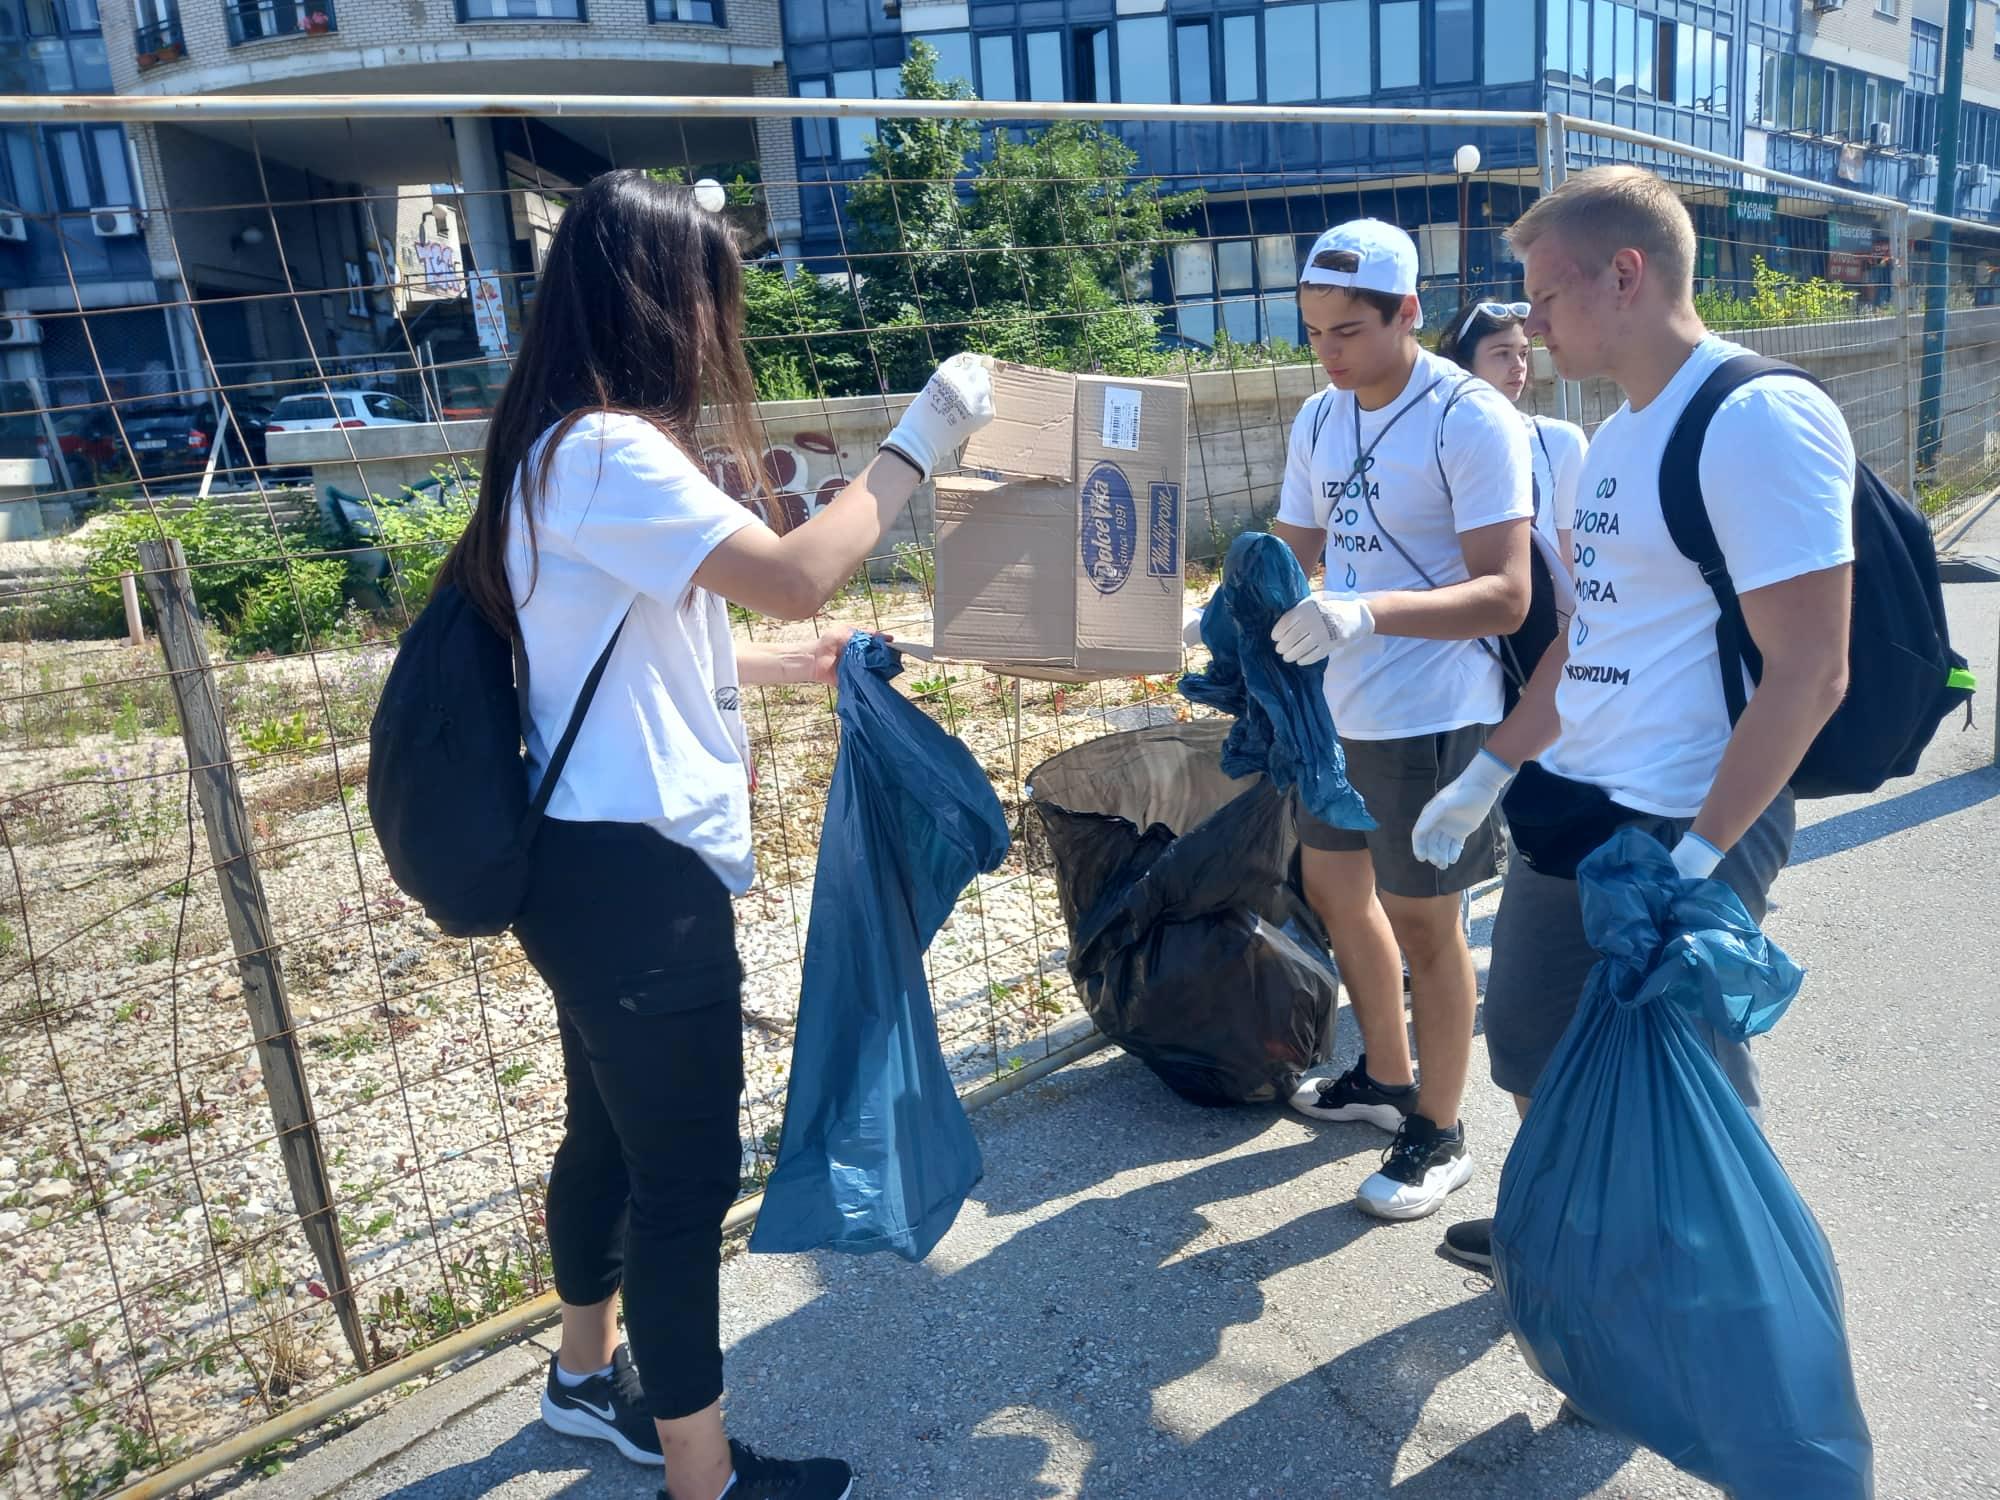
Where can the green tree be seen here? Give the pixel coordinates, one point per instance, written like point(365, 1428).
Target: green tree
point(1042, 252)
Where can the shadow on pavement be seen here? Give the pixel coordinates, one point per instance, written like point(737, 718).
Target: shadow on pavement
point(1893, 815)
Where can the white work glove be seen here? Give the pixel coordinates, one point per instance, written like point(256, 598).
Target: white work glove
point(1191, 624)
point(955, 403)
point(1311, 629)
point(1695, 857)
point(1456, 813)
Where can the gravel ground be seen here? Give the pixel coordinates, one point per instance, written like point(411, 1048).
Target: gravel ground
point(160, 1287)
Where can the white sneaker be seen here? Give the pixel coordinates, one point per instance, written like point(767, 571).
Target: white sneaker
point(1423, 1168)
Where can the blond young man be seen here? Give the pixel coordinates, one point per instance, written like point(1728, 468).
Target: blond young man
point(1625, 715)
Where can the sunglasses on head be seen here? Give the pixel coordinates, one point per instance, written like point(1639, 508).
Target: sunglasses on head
point(1504, 309)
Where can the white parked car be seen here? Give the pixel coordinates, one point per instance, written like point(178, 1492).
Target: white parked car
point(342, 409)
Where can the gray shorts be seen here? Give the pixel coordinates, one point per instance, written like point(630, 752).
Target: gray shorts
point(1541, 958)
point(1396, 778)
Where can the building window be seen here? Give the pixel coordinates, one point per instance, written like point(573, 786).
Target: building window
point(550, 10)
point(261, 20)
point(1239, 59)
point(996, 68)
point(1045, 68)
point(815, 135)
point(1145, 75)
point(685, 12)
point(954, 55)
point(1926, 55)
point(1509, 54)
point(1886, 8)
point(855, 136)
point(1291, 56)
point(1454, 58)
point(89, 166)
point(1437, 250)
point(1346, 49)
point(1192, 65)
point(1398, 51)
point(1090, 63)
point(20, 176)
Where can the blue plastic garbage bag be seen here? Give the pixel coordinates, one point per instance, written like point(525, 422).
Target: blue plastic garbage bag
point(876, 1152)
point(1654, 1259)
point(1283, 726)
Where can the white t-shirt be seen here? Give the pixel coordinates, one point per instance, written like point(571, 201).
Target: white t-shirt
point(627, 515)
point(1394, 687)
point(1641, 703)
point(1556, 450)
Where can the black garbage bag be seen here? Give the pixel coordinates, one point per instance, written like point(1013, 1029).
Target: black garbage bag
point(1190, 936)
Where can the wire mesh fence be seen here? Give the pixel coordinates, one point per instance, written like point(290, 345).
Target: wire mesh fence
point(309, 434)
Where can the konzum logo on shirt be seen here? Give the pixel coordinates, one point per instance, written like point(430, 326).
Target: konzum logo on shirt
point(1594, 522)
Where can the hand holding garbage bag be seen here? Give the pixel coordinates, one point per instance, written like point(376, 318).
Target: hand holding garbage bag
point(1283, 726)
point(876, 1152)
point(1656, 1263)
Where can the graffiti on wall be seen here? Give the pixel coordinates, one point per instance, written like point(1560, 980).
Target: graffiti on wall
point(800, 475)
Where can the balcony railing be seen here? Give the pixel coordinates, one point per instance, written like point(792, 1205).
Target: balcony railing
point(261, 20)
point(161, 42)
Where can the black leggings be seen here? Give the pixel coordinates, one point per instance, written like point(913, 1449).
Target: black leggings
point(636, 937)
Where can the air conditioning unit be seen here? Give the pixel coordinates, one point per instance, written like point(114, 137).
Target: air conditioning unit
point(13, 227)
point(1929, 166)
point(1982, 174)
point(1881, 135)
point(1821, 7)
point(16, 333)
point(114, 223)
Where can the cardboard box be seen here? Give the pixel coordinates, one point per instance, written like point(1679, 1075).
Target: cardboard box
point(1059, 543)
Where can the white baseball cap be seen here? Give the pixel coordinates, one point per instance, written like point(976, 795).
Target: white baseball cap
point(1365, 254)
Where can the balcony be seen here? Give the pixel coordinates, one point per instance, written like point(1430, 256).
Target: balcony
point(688, 12)
point(522, 10)
point(263, 20)
point(160, 43)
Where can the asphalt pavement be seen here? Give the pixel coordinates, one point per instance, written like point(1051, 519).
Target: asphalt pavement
point(1147, 1299)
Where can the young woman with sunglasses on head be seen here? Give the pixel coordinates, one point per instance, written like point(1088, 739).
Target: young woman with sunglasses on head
point(1490, 340)
point(599, 534)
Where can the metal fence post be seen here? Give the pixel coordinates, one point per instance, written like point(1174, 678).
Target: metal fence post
point(250, 929)
point(1553, 149)
point(1908, 351)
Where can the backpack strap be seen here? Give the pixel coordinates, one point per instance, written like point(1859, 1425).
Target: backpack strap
point(1685, 511)
point(1450, 400)
point(1542, 442)
point(560, 755)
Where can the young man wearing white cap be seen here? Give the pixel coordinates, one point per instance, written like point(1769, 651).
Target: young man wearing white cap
point(1412, 480)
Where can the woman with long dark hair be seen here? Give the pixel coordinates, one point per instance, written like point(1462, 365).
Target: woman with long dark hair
point(598, 528)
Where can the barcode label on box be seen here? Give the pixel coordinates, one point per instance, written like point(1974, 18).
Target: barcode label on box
point(1121, 419)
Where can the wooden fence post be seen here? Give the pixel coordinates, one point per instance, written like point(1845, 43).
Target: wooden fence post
point(250, 931)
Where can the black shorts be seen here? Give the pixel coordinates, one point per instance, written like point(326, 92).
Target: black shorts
point(1396, 778)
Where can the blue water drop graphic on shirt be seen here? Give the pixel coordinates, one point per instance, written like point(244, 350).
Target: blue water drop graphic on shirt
point(1582, 631)
point(1351, 577)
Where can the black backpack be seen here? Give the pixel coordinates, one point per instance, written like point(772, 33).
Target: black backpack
point(447, 781)
point(1903, 678)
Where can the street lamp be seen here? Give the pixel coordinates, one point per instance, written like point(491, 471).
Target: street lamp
point(1464, 161)
point(708, 194)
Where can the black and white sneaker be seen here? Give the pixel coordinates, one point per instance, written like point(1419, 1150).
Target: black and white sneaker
point(1355, 1096)
point(1470, 1243)
point(607, 1406)
point(761, 1478)
point(1423, 1168)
